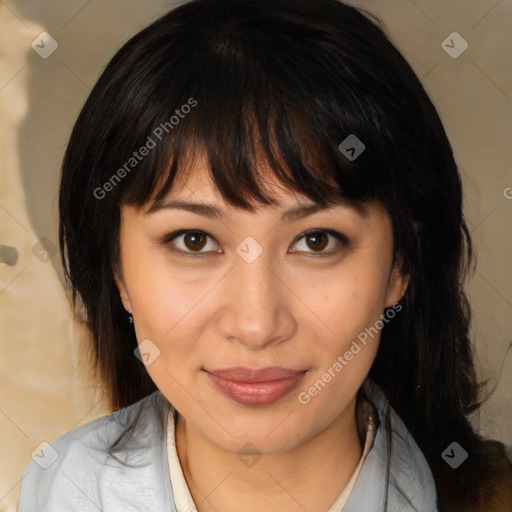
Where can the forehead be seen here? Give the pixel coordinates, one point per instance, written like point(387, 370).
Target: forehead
point(194, 183)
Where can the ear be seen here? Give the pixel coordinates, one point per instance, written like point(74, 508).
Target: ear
point(397, 286)
point(123, 292)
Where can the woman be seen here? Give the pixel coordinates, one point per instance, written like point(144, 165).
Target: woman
point(260, 203)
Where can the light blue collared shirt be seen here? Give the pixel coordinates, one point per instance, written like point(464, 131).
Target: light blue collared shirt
point(395, 476)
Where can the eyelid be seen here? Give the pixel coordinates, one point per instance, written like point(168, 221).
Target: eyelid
point(170, 237)
point(343, 240)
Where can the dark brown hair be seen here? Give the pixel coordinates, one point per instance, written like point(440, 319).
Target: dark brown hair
point(288, 80)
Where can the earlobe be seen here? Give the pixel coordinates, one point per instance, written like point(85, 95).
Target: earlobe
point(123, 292)
point(397, 286)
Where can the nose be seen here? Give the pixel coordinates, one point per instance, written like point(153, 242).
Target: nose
point(257, 307)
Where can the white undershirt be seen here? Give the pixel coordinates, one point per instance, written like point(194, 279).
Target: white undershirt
point(183, 500)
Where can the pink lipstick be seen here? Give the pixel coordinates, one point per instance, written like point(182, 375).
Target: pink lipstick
point(256, 387)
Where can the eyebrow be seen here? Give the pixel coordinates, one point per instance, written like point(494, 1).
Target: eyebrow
point(211, 211)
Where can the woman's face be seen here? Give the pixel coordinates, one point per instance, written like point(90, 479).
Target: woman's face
point(256, 294)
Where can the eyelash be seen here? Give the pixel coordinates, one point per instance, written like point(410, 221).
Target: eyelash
point(341, 238)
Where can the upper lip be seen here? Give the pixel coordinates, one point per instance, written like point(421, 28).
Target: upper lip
point(242, 374)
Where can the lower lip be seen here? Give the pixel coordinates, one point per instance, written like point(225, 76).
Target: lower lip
point(256, 393)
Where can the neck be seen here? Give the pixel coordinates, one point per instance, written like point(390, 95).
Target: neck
point(310, 476)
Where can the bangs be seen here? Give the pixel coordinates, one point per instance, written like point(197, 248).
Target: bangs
point(236, 98)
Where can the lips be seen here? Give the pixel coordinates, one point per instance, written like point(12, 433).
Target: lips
point(256, 387)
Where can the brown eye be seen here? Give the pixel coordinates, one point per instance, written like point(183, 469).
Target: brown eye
point(317, 241)
point(191, 243)
point(194, 240)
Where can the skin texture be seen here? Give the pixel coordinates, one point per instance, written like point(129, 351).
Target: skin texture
point(284, 309)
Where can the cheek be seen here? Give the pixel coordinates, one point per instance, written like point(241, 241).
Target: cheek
point(164, 309)
point(350, 307)
point(350, 298)
point(160, 296)
point(160, 292)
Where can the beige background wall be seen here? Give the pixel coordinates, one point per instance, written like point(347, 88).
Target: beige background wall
point(44, 386)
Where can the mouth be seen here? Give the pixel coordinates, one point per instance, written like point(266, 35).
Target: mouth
point(256, 387)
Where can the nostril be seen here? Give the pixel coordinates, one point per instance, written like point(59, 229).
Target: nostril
point(8, 255)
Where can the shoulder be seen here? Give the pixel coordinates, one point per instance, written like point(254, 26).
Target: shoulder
point(482, 483)
point(407, 460)
point(499, 493)
point(484, 480)
point(395, 469)
point(68, 474)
